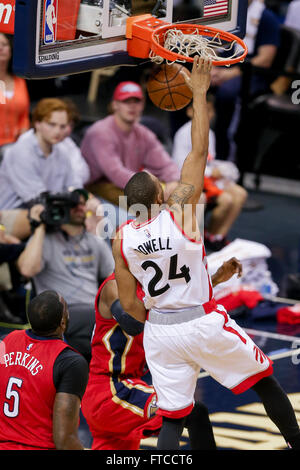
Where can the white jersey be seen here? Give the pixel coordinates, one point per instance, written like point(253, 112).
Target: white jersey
point(180, 338)
point(171, 267)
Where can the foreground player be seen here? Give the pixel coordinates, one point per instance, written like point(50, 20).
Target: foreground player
point(120, 407)
point(42, 381)
point(186, 329)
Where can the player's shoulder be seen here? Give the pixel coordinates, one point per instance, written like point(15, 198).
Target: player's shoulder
point(69, 358)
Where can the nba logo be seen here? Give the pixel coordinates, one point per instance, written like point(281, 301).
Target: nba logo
point(50, 21)
point(148, 234)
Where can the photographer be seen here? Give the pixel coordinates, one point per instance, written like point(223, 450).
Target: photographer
point(38, 161)
point(71, 261)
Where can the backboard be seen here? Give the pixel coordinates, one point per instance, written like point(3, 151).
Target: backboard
point(61, 37)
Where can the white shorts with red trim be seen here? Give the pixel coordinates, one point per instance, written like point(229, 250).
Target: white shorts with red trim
point(178, 346)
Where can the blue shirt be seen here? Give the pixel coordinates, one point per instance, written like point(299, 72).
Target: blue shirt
point(26, 172)
point(268, 32)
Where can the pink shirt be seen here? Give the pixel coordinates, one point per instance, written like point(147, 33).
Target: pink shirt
point(114, 155)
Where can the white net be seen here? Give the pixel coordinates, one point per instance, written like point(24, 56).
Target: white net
point(195, 43)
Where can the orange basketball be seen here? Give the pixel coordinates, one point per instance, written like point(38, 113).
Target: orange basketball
point(167, 88)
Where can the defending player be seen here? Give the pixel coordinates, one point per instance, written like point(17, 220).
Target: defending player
point(42, 381)
point(185, 328)
point(120, 407)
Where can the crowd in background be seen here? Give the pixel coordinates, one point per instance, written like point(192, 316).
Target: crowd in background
point(40, 152)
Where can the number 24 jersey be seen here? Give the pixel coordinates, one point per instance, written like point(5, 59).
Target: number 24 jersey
point(171, 267)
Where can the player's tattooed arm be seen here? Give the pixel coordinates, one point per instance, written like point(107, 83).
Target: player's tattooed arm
point(181, 195)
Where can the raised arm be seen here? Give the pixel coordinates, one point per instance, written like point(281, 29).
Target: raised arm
point(190, 186)
point(127, 285)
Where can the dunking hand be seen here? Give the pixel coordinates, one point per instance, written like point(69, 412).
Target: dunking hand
point(199, 80)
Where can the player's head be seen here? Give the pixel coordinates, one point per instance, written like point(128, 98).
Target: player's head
point(143, 189)
point(50, 119)
point(128, 102)
point(48, 313)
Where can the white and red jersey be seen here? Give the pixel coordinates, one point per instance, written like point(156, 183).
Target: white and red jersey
point(170, 266)
point(179, 339)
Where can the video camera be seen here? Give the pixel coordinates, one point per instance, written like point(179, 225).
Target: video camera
point(57, 207)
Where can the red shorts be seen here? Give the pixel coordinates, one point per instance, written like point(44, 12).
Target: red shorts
point(120, 413)
point(15, 446)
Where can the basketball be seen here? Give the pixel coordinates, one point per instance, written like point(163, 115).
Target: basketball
point(167, 88)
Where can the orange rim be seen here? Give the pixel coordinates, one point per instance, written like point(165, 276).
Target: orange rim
point(158, 48)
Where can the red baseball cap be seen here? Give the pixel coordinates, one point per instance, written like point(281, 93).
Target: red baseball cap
point(127, 90)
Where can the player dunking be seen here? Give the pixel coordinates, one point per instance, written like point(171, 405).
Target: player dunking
point(185, 328)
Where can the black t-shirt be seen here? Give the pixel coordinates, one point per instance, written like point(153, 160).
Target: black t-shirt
point(70, 373)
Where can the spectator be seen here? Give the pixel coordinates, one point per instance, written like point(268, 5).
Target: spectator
point(223, 195)
point(42, 381)
point(262, 38)
point(118, 146)
point(78, 163)
point(36, 163)
point(71, 259)
point(15, 102)
point(292, 18)
point(80, 168)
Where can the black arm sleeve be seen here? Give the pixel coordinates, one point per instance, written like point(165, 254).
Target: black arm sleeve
point(130, 325)
point(70, 373)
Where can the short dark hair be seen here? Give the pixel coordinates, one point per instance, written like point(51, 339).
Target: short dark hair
point(140, 189)
point(45, 312)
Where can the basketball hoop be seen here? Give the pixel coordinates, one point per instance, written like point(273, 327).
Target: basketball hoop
point(149, 37)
